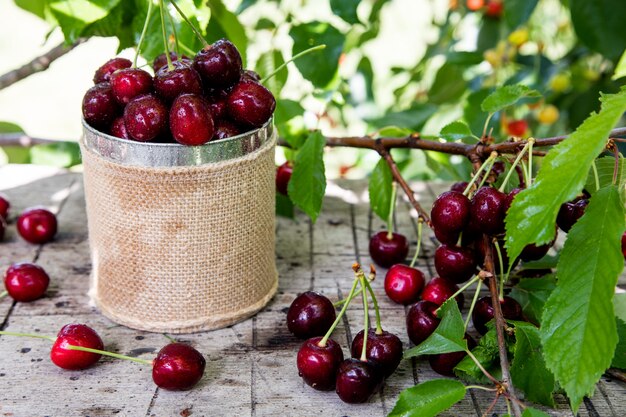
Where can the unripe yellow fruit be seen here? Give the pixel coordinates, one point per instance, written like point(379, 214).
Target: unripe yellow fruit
point(518, 37)
point(560, 82)
point(548, 115)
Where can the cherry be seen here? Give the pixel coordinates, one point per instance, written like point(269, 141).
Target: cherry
point(459, 187)
point(357, 381)
point(384, 350)
point(191, 122)
point(386, 251)
point(515, 127)
point(145, 118)
point(75, 335)
point(483, 312)
point(475, 5)
point(455, 263)
point(450, 238)
point(624, 244)
point(178, 367)
point(310, 314)
point(99, 106)
point(421, 321)
point(488, 210)
point(570, 212)
point(250, 104)
point(450, 212)
point(225, 129)
point(103, 74)
point(438, 290)
point(118, 128)
point(533, 252)
point(494, 11)
point(217, 104)
point(444, 363)
point(4, 206)
point(283, 175)
point(403, 284)
point(498, 168)
point(251, 75)
point(508, 200)
point(161, 60)
point(219, 64)
point(181, 79)
point(37, 225)
point(129, 83)
point(318, 365)
point(25, 281)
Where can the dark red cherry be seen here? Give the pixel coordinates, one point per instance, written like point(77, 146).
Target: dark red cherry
point(75, 335)
point(191, 122)
point(488, 210)
point(459, 187)
point(283, 175)
point(403, 284)
point(250, 104)
point(624, 244)
point(450, 212)
point(219, 64)
point(357, 381)
point(533, 252)
point(317, 365)
point(438, 290)
point(161, 60)
point(4, 206)
point(421, 321)
point(455, 263)
point(130, 83)
point(145, 118)
point(387, 250)
point(178, 367)
point(118, 128)
point(570, 212)
point(217, 103)
point(444, 363)
point(384, 350)
point(310, 314)
point(509, 198)
point(449, 238)
point(99, 106)
point(498, 168)
point(251, 75)
point(103, 74)
point(225, 129)
point(26, 282)
point(494, 9)
point(483, 312)
point(37, 225)
point(182, 79)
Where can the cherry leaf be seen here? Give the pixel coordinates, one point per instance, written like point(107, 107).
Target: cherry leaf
point(619, 358)
point(507, 96)
point(456, 131)
point(308, 181)
point(380, 189)
point(487, 354)
point(428, 398)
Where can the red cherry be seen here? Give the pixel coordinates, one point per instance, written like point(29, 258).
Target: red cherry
point(357, 381)
point(483, 312)
point(403, 284)
point(384, 350)
point(103, 74)
point(517, 127)
point(178, 367)
point(161, 60)
point(4, 206)
point(191, 122)
point(37, 225)
point(219, 64)
point(488, 210)
point(494, 11)
point(444, 363)
point(450, 213)
point(421, 321)
point(250, 104)
point(130, 83)
point(283, 175)
point(118, 128)
point(475, 5)
point(181, 79)
point(310, 314)
point(99, 106)
point(75, 335)
point(386, 251)
point(455, 263)
point(225, 129)
point(145, 118)
point(438, 290)
point(317, 365)
point(25, 281)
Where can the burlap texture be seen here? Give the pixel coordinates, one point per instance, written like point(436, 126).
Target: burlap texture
point(182, 249)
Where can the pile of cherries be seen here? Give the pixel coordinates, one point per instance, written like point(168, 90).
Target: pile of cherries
point(187, 101)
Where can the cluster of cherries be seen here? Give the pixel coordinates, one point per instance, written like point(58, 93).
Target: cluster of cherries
point(186, 101)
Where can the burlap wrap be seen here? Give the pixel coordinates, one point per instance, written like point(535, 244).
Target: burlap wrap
point(181, 249)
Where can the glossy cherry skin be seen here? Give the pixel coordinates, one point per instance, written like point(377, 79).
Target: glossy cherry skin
point(283, 175)
point(444, 363)
point(509, 198)
point(225, 129)
point(421, 321)
point(191, 122)
point(570, 212)
point(317, 365)
point(178, 367)
point(130, 83)
point(483, 312)
point(403, 284)
point(99, 106)
point(449, 238)
point(161, 60)
point(250, 104)
point(385, 251)
point(4, 206)
point(438, 290)
point(103, 74)
point(26, 282)
point(357, 381)
point(310, 314)
point(75, 335)
point(450, 212)
point(145, 118)
point(219, 64)
point(488, 210)
point(533, 252)
point(182, 79)
point(37, 225)
point(459, 187)
point(624, 244)
point(384, 350)
point(118, 129)
point(455, 263)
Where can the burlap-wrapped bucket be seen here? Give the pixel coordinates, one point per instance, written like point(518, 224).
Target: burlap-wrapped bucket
point(181, 238)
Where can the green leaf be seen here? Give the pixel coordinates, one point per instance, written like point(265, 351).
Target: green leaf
point(605, 167)
point(308, 181)
point(428, 398)
point(393, 132)
point(620, 68)
point(225, 22)
point(528, 369)
point(578, 324)
point(380, 189)
point(74, 15)
point(563, 172)
point(487, 354)
point(267, 64)
point(413, 118)
point(319, 68)
point(8, 127)
point(346, 9)
point(448, 86)
point(619, 358)
point(507, 96)
point(118, 22)
point(61, 154)
point(533, 412)
point(619, 303)
point(447, 337)
point(456, 131)
point(40, 8)
point(472, 113)
point(284, 206)
point(532, 294)
point(597, 22)
point(517, 12)
point(286, 110)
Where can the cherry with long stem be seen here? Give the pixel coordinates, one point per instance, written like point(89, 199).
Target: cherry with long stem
point(322, 343)
point(519, 157)
point(463, 288)
point(366, 318)
point(293, 58)
point(164, 34)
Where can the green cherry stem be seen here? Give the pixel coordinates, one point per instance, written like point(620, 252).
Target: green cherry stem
point(379, 327)
point(322, 343)
point(480, 387)
point(531, 142)
point(477, 174)
point(479, 365)
point(293, 58)
point(36, 336)
point(3, 294)
point(463, 288)
point(340, 302)
point(366, 315)
point(164, 34)
point(525, 171)
point(111, 354)
point(191, 25)
point(471, 309)
point(501, 263)
point(392, 204)
point(520, 155)
point(595, 174)
point(486, 174)
point(420, 224)
point(176, 46)
point(143, 33)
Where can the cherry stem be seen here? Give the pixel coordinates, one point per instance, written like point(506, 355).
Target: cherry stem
point(482, 369)
point(486, 174)
point(499, 253)
point(366, 316)
point(420, 224)
point(322, 342)
point(170, 338)
point(379, 327)
point(492, 156)
point(143, 33)
point(340, 302)
point(3, 294)
point(525, 171)
point(164, 34)
point(595, 174)
point(489, 116)
point(460, 290)
point(106, 353)
point(36, 336)
point(171, 19)
point(480, 387)
point(616, 166)
point(471, 309)
point(531, 142)
point(293, 58)
point(520, 155)
point(191, 25)
point(392, 204)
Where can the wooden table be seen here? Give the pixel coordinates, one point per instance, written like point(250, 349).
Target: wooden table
point(251, 366)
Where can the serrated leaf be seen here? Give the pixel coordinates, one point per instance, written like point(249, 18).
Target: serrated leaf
point(456, 131)
point(596, 23)
point(563, 172)
point(517, 12)
point(380, 189)
point(447, 337)
point(428, 398)
point(487, 354)
point(578, 323)
point(605, 167)
point(507, 96)
point(533, 412)
point(308, 181)
point(528, 369)
point(284, 206)
point(620, 68)
point(226, 22)
point(532, 294)
point(619, 358)
point(74, 15)
point(346, 9)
